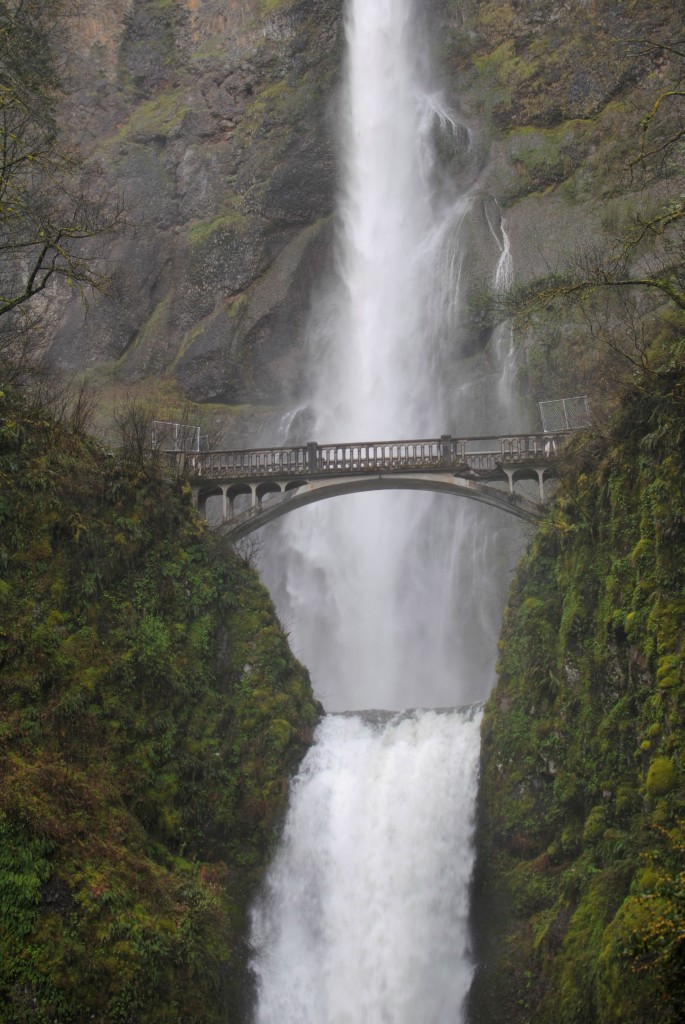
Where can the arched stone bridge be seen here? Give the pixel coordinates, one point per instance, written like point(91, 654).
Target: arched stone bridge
point(278, 480)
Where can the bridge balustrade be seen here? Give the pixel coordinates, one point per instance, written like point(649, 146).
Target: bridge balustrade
point(362, 457)
point(253, 462)
point(479, 454)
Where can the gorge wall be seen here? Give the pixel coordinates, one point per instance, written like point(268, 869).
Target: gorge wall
point(213, 120)
point(216, 119)
point(150, 713)
point(579, 906)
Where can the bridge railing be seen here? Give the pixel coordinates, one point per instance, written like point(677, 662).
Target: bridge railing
point(252, 462)
point(364, 457)
point(480, 454)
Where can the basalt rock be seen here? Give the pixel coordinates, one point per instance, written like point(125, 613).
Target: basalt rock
point(213, 119)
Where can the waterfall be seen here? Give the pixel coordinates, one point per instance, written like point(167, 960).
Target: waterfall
point(364, 915)
point(362, 581)
point(388, 597)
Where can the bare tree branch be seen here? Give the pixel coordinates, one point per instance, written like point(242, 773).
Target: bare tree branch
point(57, 212)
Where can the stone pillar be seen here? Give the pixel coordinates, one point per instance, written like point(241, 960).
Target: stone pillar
point(541, 483)
point(312, 456)
point(224, 503)
point(446, 449)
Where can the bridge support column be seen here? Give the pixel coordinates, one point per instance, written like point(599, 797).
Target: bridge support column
point(510, 478)
point(195, 496)
point(255, 497)
point(225, 505)
point(541, 483)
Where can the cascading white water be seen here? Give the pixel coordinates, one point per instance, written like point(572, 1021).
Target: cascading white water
point(387, 597)
point(364, 916)
point(361, 580)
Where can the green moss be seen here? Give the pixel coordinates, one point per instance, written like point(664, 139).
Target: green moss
point(503, 63)
point(662, 777)
point(158, 116)
point(153, 329)
point(495, 16)
point(545, 157)
point(204, 230)
point(271, 6)
point(143, 770)
point(595, 824)
point(586, 720)
point(669, 672)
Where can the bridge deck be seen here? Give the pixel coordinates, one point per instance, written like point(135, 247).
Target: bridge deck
point(477, 454)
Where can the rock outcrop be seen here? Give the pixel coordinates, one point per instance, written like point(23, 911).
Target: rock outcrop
point(213, 120)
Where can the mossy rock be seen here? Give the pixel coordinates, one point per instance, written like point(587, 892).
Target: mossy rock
point(577, 736)
point(144, 772)
point(595, 824)
point(662, 777)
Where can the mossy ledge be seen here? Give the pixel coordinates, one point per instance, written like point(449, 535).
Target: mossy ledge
point(150, 713)
point(580, 890)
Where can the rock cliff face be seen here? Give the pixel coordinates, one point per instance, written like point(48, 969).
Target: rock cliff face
point(556, 93)
point(217, 120)
point(212, 117)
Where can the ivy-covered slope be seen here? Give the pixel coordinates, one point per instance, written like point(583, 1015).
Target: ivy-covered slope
point(580, 895)
point(150, 713)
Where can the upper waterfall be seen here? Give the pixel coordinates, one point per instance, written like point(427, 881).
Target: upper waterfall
point(387, 596)
point(372, 380)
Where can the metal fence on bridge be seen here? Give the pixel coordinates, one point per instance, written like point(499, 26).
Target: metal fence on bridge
point(177, 437)
point(565, 414)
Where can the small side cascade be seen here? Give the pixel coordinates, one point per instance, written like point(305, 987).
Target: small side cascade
point(504, 271)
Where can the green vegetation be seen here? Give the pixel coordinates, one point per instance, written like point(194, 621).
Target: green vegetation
point(580, 894)
point(541, 71)
point(157, 117)
point(150, 714)
point(271, 6)
point(204, 230)
point(543, 158)
point(582, 878)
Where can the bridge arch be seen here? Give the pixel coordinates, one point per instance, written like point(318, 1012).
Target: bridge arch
point(293, 496)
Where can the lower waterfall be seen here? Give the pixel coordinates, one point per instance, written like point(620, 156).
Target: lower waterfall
point(364, 915)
